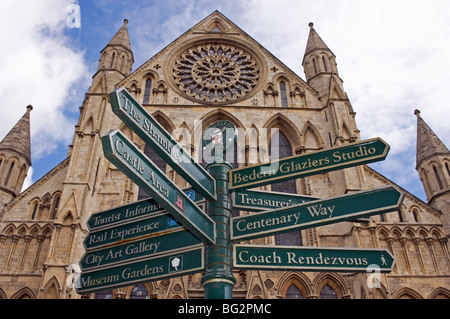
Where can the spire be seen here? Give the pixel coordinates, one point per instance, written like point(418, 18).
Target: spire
point(315, 42)
point(18, 139)
point(117, 54)
point(121, 38)
point(319, 64)
point(428, 144)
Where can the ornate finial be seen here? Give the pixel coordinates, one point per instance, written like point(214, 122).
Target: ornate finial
point(311, 24)
point(30, 107)
point(417, 112)
point(125, 21)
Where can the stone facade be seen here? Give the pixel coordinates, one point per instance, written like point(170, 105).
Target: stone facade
point(217, 71)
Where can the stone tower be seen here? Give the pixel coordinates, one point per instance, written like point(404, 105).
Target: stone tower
point(319, 64)
point(15, 159)
point(320, 67)
point(216, 71)
point(433, 165)
point(81, 190)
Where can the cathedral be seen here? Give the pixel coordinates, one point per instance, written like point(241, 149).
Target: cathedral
point(216, 71)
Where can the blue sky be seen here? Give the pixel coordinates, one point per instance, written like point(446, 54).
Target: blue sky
point(392, 56)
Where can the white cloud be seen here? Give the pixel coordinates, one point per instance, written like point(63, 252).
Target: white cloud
point(39, 68)
point(392, 56)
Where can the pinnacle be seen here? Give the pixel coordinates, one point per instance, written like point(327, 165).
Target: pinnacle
point(18, 139)
point(315, 42)
point(428, 144)
point(122, 37)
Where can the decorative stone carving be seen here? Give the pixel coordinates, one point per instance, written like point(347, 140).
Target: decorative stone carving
point(216, 73)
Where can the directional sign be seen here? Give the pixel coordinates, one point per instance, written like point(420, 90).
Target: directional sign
point(317, 213)
point(178, 263)
point(305, 165)
point(256, 201)
point(144, 248)
point(311, 259)
point(119, 150)
point(153, 134)
point(153, 225)
point(138, 210)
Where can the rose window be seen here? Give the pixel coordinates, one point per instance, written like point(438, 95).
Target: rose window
point(216, 73)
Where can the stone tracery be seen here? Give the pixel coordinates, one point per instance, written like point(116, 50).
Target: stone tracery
point(216, 72)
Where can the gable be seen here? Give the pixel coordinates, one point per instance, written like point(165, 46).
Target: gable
point(216, 63)
point(44, 192)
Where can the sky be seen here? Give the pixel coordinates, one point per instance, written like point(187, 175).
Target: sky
point(393, 57)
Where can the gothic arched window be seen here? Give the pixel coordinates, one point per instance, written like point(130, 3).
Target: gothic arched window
point(112, 59)
point(9, 174)
point(315, 67)
point(55, 207)
point(280, 144)
point(415, 216)
point(328, 293)
point(33, 216)
point(122, 63)
point(284, 99)
point(139, 292)
point(324, 64)
point(426, 183)
point(438, 179)
point(293, 292)
point(104, 294)
point(147, 91)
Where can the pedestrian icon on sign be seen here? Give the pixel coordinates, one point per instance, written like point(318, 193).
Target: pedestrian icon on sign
point(383, 260)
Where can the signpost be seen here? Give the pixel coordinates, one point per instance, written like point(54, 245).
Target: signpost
point(305, 165)
point(169, 235)
point(129, 159)
point(135, 250)
point(134, 211)
point(153, 134)
point(257, 201)
point(152, 225)
point(316, 213)
point(284, 258)
point(179, 263)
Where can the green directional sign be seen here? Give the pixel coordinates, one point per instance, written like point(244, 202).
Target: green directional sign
point(152, 225)
point(152, 133)
point(317, 213)
point(123, 153)
point(133, 211)
point(176, 264)
point(256, 201)
point(365, 152)
point(312, 259)
point(140, 249)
